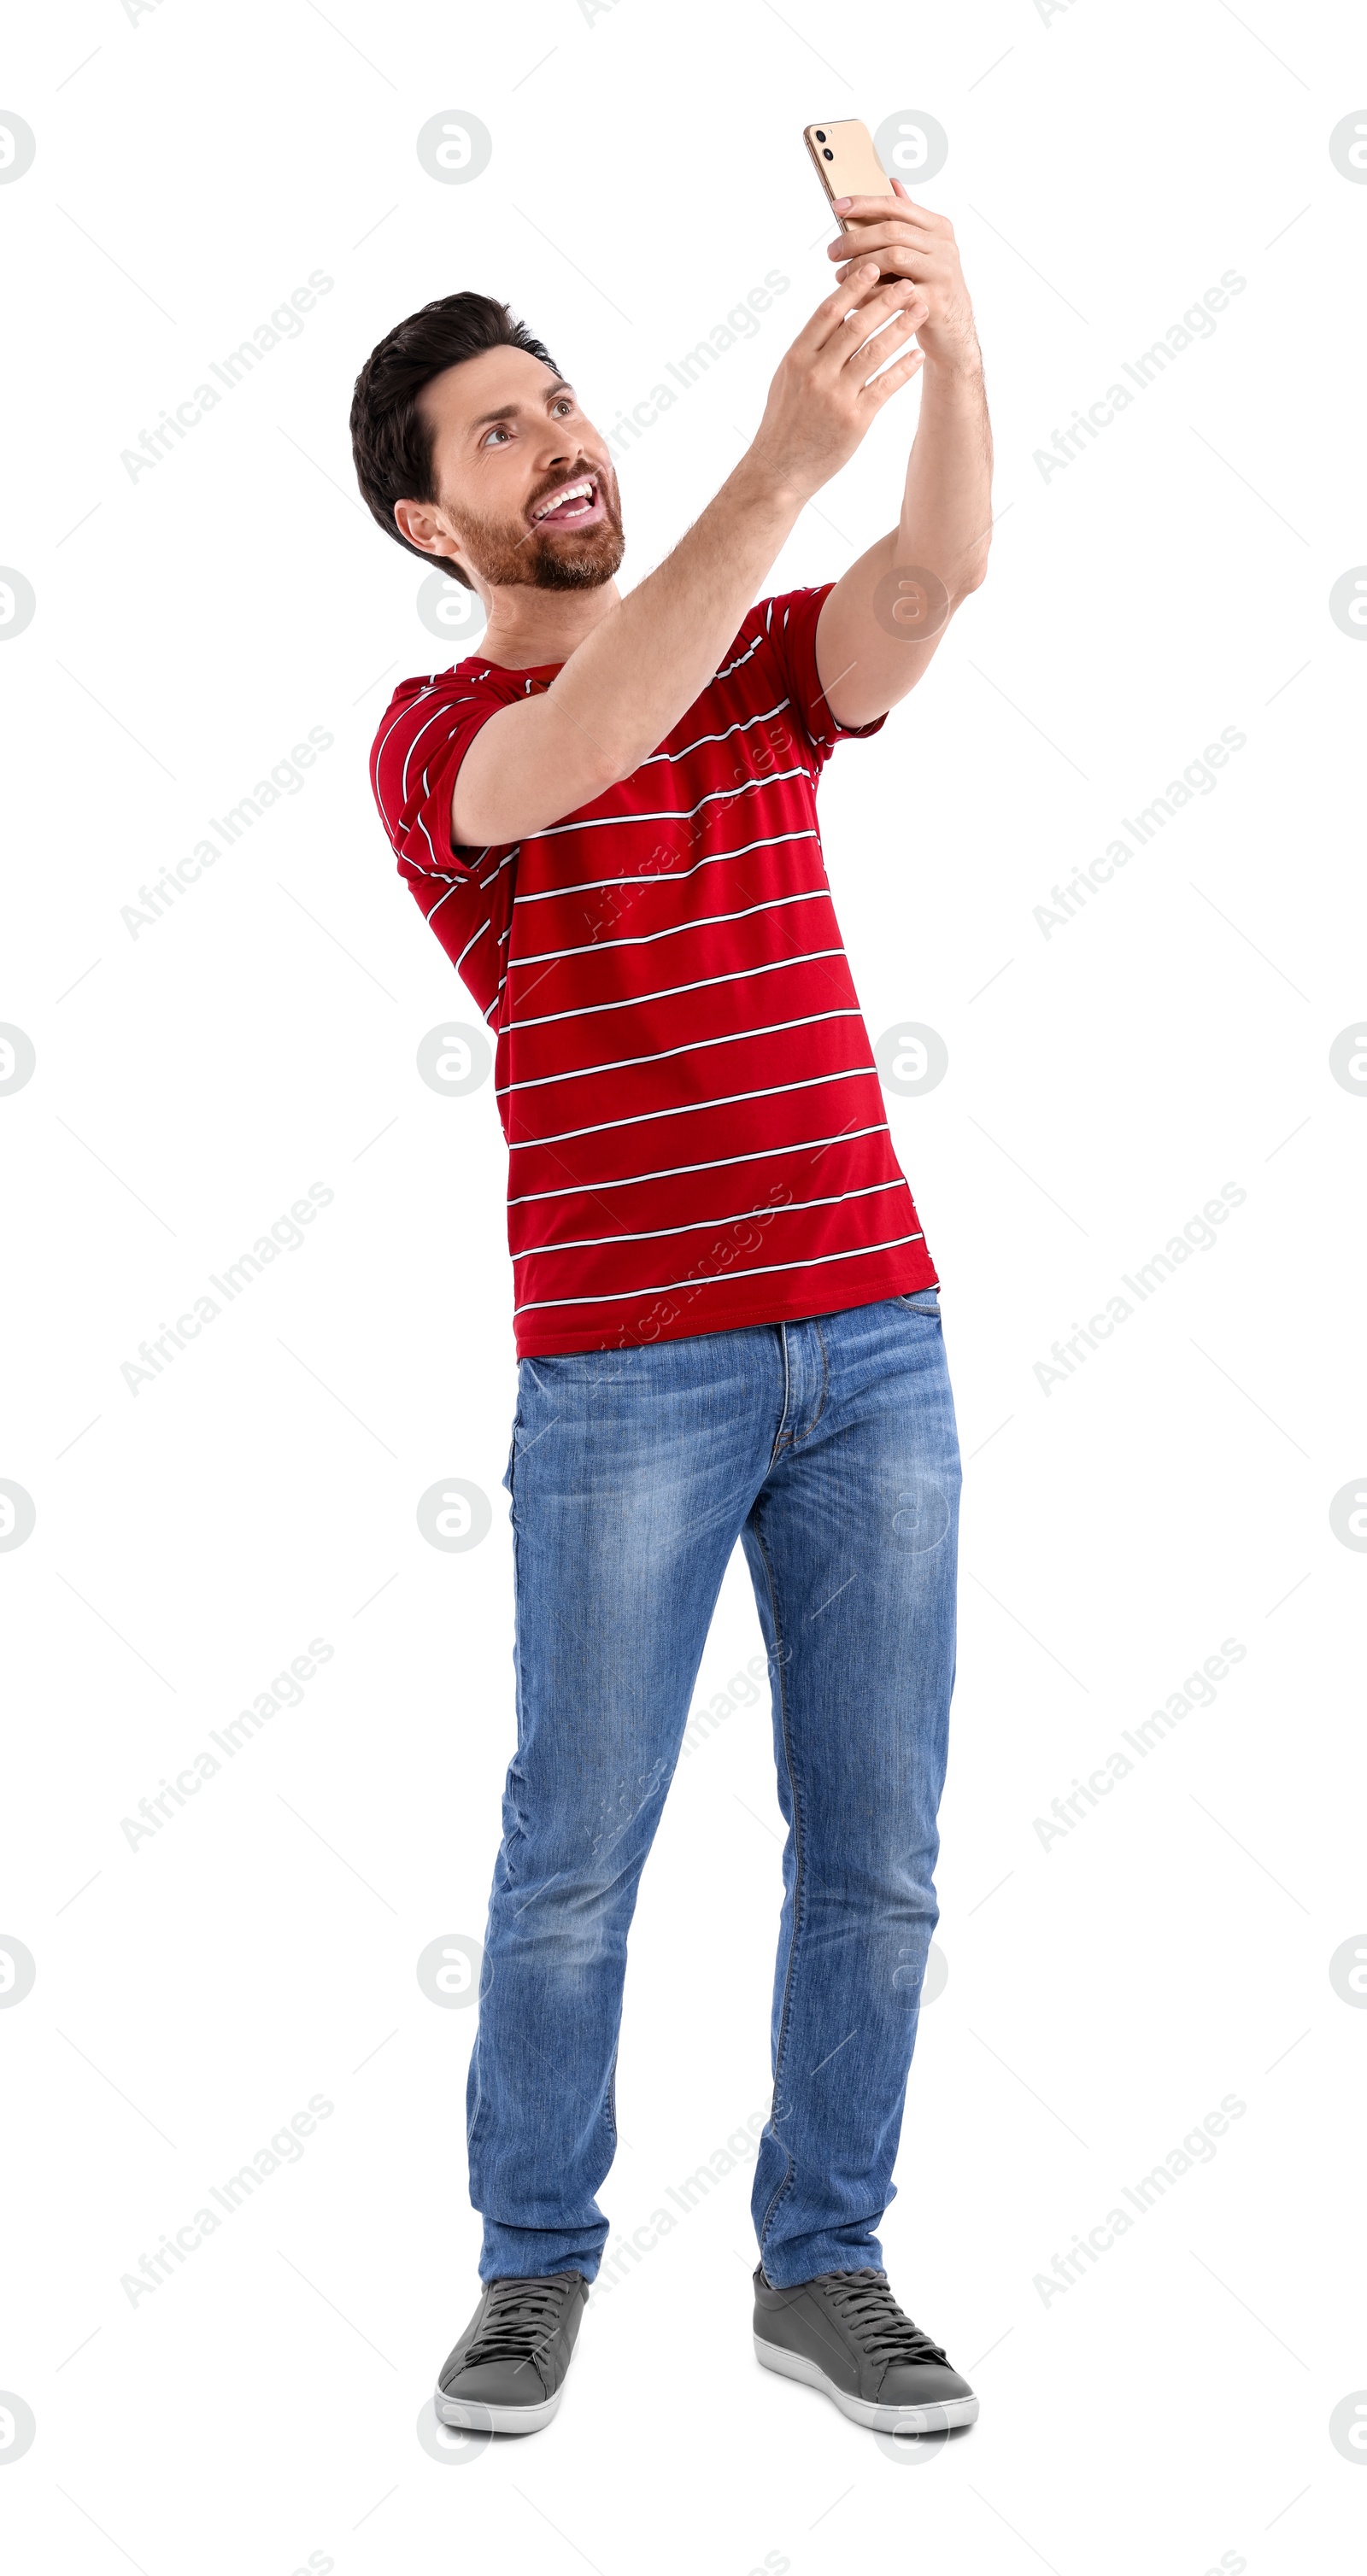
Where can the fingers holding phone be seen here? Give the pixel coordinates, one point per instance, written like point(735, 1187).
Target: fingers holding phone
point(857, 350)
point(870, 226)
point(879, 220)
point(869, 318)
point(911, 242)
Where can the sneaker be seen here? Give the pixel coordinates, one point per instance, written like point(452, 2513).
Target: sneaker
point(845, 2334)
point(507, 2373)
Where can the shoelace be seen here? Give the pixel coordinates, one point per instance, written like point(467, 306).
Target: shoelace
point(864, 2303)
point(520, 2320)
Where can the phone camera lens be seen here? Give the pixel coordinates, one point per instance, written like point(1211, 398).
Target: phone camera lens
point(828, 156)
point(819, 135)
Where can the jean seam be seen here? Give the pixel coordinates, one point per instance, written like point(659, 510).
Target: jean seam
point(610, 2098)
point(778, 1435)
point(518, 1834)
point(825, 1379)
point(772, 2211)
point(512, 1461)
point(799, 1855)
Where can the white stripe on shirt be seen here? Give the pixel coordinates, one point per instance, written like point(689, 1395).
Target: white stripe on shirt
point(761, 1270)
point(693, 1046)
point(479, 934)
point(672, 813)
point(719, 1163)
point(743, 726)
point(700, 1224)
point(379, 750)
point(434, 718)
point(648, 938)
point(668, 876)
point(687, 1109)
point(667, 992)
point(739, 662)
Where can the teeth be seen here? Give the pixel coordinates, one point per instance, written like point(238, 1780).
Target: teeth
point(571, 492)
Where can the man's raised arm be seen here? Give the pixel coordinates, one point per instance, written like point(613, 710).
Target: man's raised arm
point(876, 632)
point(633, 676)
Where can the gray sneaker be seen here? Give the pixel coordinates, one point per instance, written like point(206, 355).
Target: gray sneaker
point(845, 2334)
point(507, 2373)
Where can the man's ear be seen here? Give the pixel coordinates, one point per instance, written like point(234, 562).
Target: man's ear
point(419, 522)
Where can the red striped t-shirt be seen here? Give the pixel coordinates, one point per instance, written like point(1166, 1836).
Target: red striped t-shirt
point(697, 1136)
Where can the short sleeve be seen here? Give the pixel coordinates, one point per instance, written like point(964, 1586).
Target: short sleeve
point(788, 627)
point(428, 728)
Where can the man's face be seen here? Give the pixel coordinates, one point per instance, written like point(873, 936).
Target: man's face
point(524, 481)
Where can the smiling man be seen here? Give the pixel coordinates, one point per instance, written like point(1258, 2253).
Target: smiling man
point(726, 1315)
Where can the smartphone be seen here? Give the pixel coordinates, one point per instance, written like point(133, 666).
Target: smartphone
point(846, 162)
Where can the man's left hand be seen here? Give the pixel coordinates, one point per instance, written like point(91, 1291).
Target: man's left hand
point(909, 241)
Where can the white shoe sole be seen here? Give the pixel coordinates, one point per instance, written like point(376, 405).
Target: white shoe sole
point(471, 2415)
point(940, 2415)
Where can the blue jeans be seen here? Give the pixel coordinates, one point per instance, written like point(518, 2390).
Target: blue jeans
point(829, 1449)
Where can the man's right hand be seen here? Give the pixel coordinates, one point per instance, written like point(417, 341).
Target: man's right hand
point(827, 389)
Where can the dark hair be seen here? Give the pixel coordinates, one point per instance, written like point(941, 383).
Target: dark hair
point(390, 440)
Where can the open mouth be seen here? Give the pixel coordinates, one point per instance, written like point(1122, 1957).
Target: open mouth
point(573, 505)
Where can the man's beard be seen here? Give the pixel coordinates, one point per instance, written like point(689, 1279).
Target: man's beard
point(506, 554)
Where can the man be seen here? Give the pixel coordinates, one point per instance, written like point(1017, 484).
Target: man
point(726, 1315)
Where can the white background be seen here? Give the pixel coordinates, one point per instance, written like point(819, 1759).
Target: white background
point(1171, 2409)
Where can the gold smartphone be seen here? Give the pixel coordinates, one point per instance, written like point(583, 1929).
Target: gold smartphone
point(846, 162)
